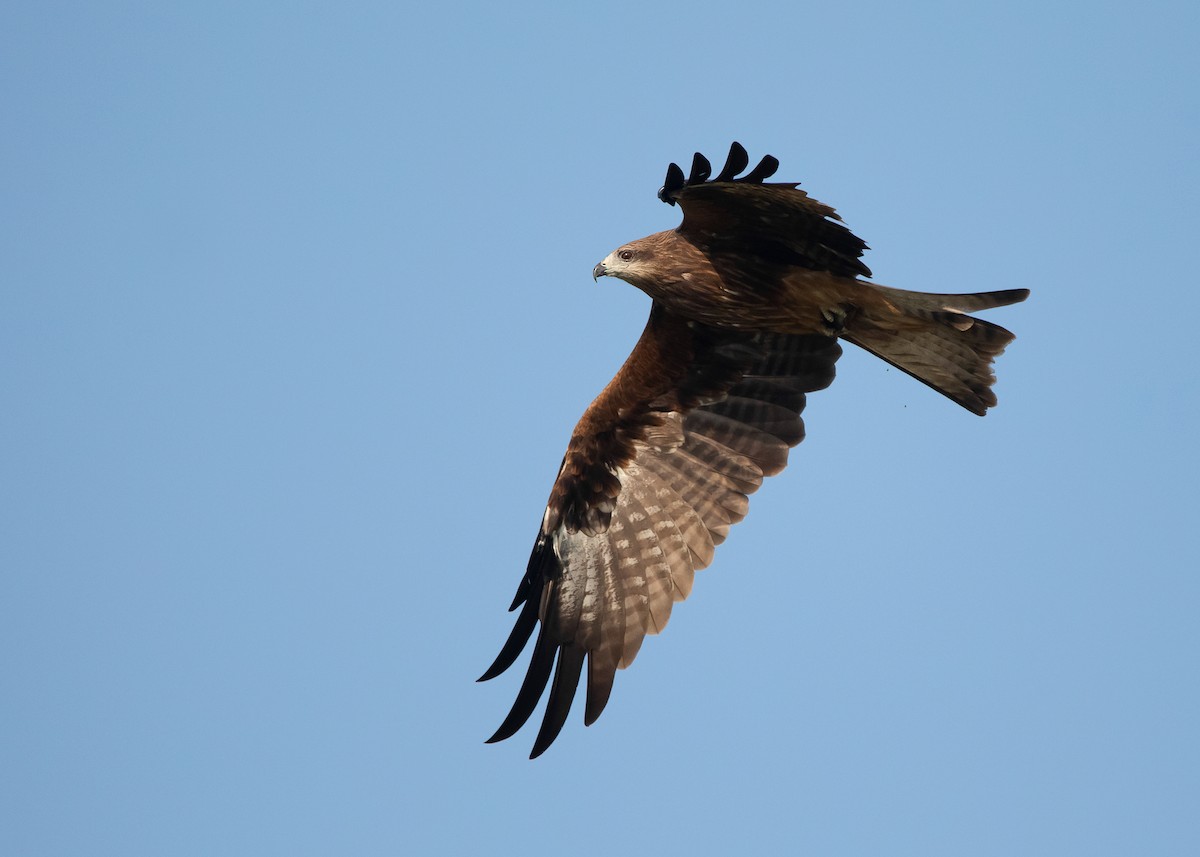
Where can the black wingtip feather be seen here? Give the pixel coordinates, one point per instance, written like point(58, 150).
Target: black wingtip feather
point(701, 169)
point(562, 694)
point(599, 688)
point(765, 169)
point(517, 638)
point(734, 164)
point(531, 689)
point(672, 184)
point(542, 566)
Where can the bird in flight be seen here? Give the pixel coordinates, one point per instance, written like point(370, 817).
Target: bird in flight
point(751, 295)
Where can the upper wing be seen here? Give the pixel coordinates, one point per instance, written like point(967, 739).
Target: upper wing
point(773, 221)
point(657, 471)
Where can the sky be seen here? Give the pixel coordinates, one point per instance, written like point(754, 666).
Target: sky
point(296, 317)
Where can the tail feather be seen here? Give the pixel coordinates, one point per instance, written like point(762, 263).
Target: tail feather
point(934, 301)
point(935, 341)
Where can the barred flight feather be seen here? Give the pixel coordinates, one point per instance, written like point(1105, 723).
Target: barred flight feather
point(766, 451)
point(688, 523)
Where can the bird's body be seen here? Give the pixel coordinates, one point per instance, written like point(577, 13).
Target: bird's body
point(726, 292)
point(750, 297)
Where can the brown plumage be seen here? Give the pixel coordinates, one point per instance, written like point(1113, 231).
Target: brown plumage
point(750, 297)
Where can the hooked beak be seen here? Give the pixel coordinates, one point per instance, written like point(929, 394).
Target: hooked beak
point(599, 271)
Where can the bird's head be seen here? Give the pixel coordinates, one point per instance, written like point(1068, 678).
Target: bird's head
point(637, 263)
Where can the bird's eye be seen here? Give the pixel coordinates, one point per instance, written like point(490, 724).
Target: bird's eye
point(625, 255)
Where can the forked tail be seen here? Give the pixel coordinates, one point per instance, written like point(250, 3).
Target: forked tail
point(932, 337)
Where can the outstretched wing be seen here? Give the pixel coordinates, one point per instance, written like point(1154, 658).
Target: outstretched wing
point(656, 472)
point(773, 221)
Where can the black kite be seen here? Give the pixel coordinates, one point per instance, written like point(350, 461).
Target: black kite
point(750, 296)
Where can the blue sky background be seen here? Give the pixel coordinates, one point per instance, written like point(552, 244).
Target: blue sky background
point(296, 316)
